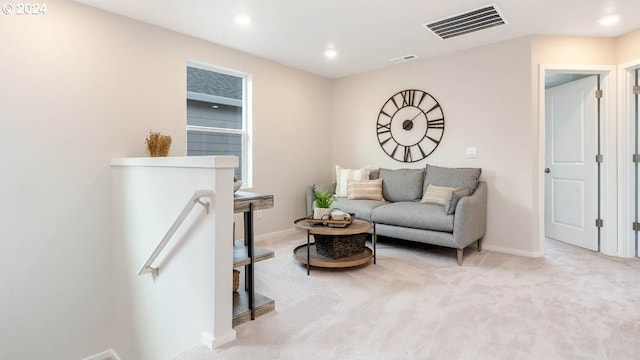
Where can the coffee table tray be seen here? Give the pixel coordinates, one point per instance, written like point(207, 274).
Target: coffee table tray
point(329, 222)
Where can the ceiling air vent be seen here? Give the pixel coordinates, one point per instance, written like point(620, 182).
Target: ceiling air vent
point(468, 22)
point(403, 58)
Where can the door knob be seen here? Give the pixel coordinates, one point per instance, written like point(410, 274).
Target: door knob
point(547, 170)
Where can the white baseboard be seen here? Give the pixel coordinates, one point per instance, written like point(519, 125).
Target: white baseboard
point(105, 355)
point(500, 249)
point(210, 342)
point(275, 234)
point(511, 251)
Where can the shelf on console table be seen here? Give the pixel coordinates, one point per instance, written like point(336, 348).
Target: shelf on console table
point(241, 312)
point(247, 304)
point(242, 199)
point(241, 258)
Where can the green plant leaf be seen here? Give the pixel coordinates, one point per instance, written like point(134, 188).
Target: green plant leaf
point(324, 200)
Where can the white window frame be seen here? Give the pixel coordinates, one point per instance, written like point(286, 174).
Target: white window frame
point(246, 131)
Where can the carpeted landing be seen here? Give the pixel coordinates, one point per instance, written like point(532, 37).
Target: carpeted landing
point(417, 303)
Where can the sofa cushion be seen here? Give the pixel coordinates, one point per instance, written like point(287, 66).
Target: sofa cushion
point(413, 214)
point(453, 199)
point(402, 184)
point(342, 175)
point(437, 194)
point(362, 208)
point(364, 189)
point(452, 177)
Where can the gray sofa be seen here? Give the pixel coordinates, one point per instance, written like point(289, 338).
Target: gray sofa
point(458, 223)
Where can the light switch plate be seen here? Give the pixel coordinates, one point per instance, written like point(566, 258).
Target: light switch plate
point(472, 152)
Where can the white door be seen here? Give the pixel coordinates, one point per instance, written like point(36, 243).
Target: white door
point(571, 145)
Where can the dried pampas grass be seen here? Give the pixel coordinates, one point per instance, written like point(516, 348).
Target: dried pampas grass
point(158, 144)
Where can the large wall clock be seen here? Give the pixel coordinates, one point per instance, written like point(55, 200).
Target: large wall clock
point(410, 125)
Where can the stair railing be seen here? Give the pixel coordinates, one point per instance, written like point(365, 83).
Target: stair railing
point(195, 199)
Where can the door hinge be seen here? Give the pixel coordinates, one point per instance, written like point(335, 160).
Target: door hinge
point(599, 158)
point(635, 158)
point(636, 90)
point(599, 94)
point(636, 226)
point(599, 223)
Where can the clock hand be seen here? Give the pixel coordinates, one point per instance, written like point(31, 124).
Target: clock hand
point(408, 124)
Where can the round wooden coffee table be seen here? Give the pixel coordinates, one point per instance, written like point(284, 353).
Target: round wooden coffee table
point(308, 255)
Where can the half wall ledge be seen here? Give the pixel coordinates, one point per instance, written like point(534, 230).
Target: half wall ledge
point(179, 161)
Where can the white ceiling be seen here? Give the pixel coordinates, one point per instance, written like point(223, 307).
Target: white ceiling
point(365, 33)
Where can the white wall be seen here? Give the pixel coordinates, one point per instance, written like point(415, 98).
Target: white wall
point(58, 115)
point(628, 47)
point(485, 94)
point(79, 86)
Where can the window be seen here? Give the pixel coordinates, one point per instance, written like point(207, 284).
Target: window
point(218, 120)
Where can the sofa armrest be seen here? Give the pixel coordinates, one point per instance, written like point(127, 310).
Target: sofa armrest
point(310, 196)
point(470, 218)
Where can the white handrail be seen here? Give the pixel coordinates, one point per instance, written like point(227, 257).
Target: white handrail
point(195, 199)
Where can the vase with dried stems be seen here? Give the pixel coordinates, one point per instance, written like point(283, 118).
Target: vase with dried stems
point(158, 144)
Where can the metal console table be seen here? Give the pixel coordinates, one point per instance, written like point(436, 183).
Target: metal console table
point(248, 304)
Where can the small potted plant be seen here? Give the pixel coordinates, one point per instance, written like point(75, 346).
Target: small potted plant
point(322, 209)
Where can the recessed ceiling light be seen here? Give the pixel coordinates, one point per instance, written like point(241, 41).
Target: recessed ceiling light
point(609, 20)
point(242, 19)
point(330, 53)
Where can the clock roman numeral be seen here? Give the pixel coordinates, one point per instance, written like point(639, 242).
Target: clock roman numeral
point(424, 155)
point(436, 106)
point(408, 97)
point(432, 139)
point(385, 113)
point(384, 128)
point(435, 124)
point(385, 141)
point(393, 99)
point(422, 96)
point(393, 153)
point(407, 154)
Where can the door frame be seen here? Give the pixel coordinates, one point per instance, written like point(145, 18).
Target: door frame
point(626, 183)
point(608, 147)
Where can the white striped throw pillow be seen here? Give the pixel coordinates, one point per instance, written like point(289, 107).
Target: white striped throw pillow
point(365, 190)
point(342, 175)
point(436, 194)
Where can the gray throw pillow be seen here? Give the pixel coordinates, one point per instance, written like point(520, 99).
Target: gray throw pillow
point(458, 178)
point(402, 184)
point(329, 188)
point(453, 198)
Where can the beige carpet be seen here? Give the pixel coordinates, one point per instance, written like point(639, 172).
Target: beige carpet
point(417, 303)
